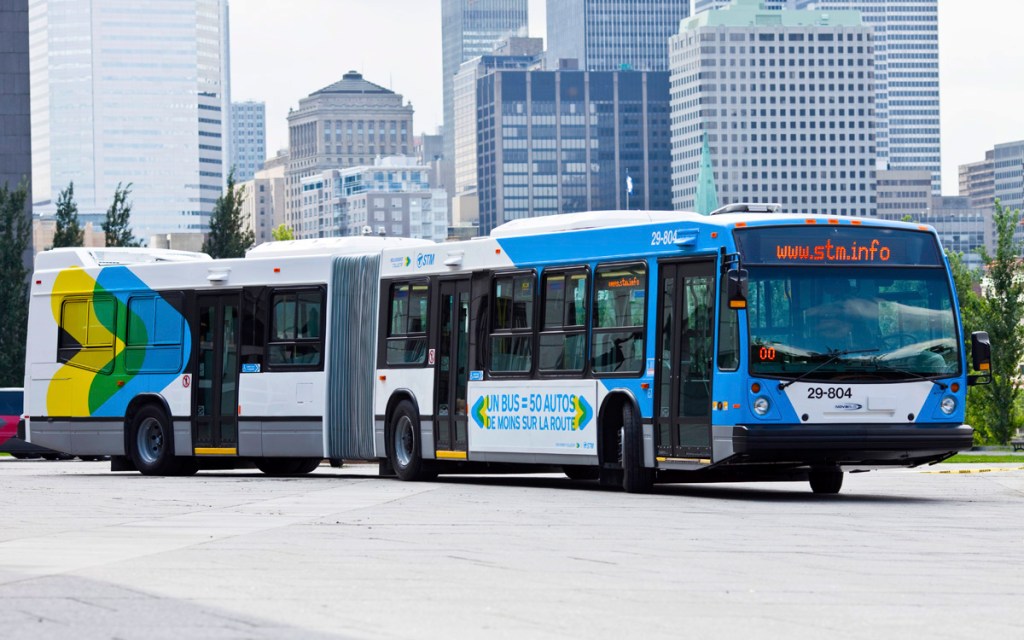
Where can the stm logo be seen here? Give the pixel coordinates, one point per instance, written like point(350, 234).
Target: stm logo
point(424, 260)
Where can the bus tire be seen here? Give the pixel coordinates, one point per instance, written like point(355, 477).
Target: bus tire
point(151, 443)
point(636, 478)
point(826, 481)
point(404, 444)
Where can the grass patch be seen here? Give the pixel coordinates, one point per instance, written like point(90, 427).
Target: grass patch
point(968, 458)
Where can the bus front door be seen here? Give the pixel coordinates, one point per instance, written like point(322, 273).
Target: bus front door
point(452, 370)
point(682, 416)
point(215, 391)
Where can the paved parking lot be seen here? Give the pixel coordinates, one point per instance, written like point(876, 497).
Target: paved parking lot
point(89, 554)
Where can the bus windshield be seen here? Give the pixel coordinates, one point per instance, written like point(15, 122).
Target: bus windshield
point(857, 304)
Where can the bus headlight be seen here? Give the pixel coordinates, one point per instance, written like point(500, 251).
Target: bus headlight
point(948, 405)
point(761, 406)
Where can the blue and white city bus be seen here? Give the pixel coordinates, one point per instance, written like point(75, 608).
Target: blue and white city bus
point(629, 347)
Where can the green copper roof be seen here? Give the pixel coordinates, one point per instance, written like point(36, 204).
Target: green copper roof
point(706, 199)
point(748, 13)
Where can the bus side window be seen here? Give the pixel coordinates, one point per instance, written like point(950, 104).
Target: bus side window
point(407, 323)
point(620, 294)
point(563, 334)
point(85, 335)
point(511, 342)
point(295, 329)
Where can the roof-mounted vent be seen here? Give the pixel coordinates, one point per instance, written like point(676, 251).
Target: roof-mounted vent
point(749, 207)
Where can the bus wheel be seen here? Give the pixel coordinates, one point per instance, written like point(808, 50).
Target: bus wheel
point(151, 443)
point(404, 450)
point(826, 481)
point(635, 477)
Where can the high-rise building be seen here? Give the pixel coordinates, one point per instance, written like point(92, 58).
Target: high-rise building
point(392, 197)
point(607, 35)
point(900, 193)
point(999, 176)
point(977, 183)
point(263, 202)
point(787, 101)
point(15, 127)
point(248, 138)
point(961, 227)
point(130, 92)
point(906, 45)
point(566, 141)
point(516, 53)
point(346, 124)
point(471, 28)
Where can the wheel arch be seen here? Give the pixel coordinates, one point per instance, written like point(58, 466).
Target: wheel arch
point(609, 419)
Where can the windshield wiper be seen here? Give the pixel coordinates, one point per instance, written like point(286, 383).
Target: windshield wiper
point(832, 357)
point(911, 374)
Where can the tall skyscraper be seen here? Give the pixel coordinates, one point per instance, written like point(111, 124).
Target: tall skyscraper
point(906, 36)
point(787, 101)
point(566, 141)
point(15, 128)
point(471, 28)
point(130, 92)
point(345, 124)
point(607, 35)
point(248, 139)
point(517, 53)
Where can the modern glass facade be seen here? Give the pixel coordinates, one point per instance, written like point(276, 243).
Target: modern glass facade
point(609, 35)
point(248, 138)
point(129, 92)
point(564, 141)
point(471, 28)
point(15, 126)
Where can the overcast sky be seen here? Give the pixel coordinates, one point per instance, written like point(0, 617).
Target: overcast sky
point(283, 51)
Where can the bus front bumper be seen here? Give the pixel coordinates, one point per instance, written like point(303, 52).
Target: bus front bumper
point(875, 444)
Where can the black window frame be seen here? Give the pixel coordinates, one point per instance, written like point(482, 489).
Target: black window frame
point(530, 333)
point(564, 330)
point(421, 337)
point(71, 350)
point(642, 329)
point(270, 323)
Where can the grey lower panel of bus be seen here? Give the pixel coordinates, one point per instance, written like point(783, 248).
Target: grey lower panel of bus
point(284, 438)
point(182, 437)
point(721, 441)
point(101, 437)
point(352, 353)
point(533, 458)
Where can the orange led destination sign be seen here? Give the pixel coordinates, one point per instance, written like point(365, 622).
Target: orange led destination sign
point(873, 252)
point(847, 246)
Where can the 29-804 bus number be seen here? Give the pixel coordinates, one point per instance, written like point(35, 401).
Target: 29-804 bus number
point(832, 393)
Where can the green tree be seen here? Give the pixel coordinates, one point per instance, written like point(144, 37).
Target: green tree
point(1000, 310)
point(282, 232)
point(69, 233)
point(116, 230)
point(229, 236)
point(15, 233)
point(968, 285)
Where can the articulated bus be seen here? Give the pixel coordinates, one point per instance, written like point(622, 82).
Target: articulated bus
point(626, 347)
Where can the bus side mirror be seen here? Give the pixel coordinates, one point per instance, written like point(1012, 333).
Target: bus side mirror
point(981, 356)
point(737, 288)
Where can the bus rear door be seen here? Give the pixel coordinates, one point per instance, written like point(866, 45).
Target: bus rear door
point(682, 416)
point(215, 392)
point(452, 370)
